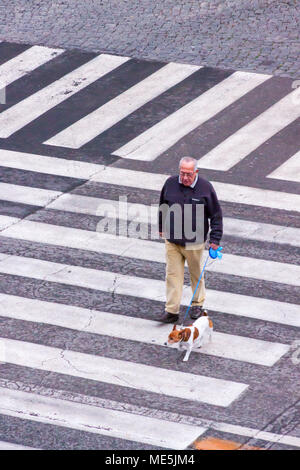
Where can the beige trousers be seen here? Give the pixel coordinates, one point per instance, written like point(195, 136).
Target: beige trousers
point(175, 259)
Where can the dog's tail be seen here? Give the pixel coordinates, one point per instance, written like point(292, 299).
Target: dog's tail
point(205, 314)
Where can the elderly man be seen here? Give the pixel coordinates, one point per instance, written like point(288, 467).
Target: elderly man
point(190, 193)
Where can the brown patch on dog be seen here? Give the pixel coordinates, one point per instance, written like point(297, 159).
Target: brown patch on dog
point(186, 333)
point(196, 333)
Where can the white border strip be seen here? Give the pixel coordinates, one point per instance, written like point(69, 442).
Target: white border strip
point(103, 421)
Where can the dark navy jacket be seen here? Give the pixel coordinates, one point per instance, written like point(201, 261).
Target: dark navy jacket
point(203, 193)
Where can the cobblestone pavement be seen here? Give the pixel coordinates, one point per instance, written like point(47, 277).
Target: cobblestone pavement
point(258, 35)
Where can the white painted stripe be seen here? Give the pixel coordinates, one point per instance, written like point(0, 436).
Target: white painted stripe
point(145, 250)
point(122, 373)
point(234, 347)
point(49, 165)
point(148, 214)
point(236, 147)
point(262, 232)
point(257, 197)
point(25, 63)
point(140, 213)
point(143, 180)
point(156, 140)
point(289, 170)
point(11, 446)
point(118, 108)
point(120, 284)
point(21, 114)
point(27, 194)
point(98, 420)
point(6, 221)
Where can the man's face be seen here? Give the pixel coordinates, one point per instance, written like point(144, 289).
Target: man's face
point(187, 173)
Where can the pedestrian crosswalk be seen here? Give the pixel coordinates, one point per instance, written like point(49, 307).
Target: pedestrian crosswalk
point(153, 142)
point(248, 138)
point(18, 116)
point(81, 345)
point(118, 108)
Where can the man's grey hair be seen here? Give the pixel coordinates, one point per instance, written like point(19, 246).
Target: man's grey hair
point(189, 160)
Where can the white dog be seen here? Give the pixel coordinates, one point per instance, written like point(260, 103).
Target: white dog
point(193, 336)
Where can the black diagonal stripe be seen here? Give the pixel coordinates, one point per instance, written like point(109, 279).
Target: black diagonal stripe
point(44, 75)
point(10, 50)
point(86, 101)
point(214, 131)
point(157, 109)
point(269, 156)
point(228, 121)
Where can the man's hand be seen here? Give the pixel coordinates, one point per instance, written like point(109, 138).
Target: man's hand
point(161, 234)
point(213, 246)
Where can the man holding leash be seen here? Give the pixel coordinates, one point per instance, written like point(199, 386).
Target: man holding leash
point(187, 199)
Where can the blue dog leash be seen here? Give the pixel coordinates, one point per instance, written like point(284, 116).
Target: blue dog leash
point(214, 254)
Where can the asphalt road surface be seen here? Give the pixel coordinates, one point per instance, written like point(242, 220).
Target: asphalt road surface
point(83, 362)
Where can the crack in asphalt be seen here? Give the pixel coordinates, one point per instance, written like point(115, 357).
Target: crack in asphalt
point(62, 353)
point(114, 286)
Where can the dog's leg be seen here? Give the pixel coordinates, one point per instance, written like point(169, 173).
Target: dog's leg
point(187, 355)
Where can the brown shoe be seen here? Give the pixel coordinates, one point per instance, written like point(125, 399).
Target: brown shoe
point(170, 317)
point(197, 312)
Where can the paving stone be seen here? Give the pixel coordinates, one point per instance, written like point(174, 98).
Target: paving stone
point(258, 35)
